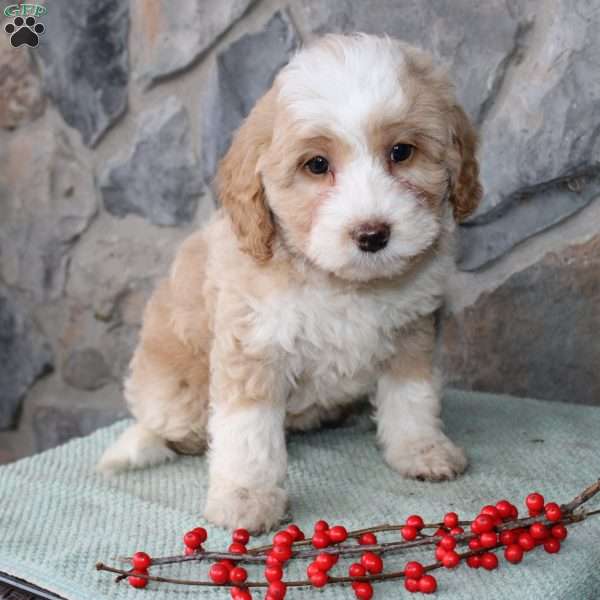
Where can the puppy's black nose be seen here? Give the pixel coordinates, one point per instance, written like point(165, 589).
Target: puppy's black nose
point(371, 237)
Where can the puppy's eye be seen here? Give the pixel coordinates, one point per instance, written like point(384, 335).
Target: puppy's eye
point(401, 153)
point(317, 165)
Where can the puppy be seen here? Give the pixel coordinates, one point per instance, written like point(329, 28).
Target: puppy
point(315, 284)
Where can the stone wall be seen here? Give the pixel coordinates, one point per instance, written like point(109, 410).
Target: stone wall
point(110, 134)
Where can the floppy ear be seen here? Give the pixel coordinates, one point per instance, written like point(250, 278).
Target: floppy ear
point(466, 189)
point(240, 186)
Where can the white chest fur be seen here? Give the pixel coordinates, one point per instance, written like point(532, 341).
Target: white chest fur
point(332, 340)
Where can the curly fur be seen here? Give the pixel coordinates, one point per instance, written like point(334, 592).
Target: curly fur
point(272, 317)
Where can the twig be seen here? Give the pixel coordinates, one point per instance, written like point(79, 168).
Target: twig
point(256, 555)
point(582, 498)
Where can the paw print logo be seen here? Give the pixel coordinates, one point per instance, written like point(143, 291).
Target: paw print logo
point(24, 31)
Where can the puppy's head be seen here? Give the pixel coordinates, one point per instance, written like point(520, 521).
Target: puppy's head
point(352, 159)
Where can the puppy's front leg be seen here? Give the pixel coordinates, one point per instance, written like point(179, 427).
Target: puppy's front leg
point(248, 459)
point(408, 405)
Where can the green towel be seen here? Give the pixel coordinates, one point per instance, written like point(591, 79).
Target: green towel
point(58, 517)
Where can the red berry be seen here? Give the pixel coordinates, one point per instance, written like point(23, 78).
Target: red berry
point(514, 511)
point(241, 536)
point(415, 521)
point(412, 585)
point(277, 590)
point(448, 542)
point(363, 590)
point(272, 561)
point(492, 511)
point(295, 532)
point(441, 532)
point(552, 545)
point(367, 539)
point(457, 531)
point(489, 561)
point(237, 548)
point(450, 520)
point(440, 553)
point(372, 563)
point(474, 561)
point(138, 582)
point(409, 532)
point(553, 512)
point(240, 593)
point(482, 523)
point(427, 584)
point(192, 539)
point(539, 531)
point(202, 533)
point(238, 575)
point(451, 559)
point(189, 551)
point(526, 542)
point(321, 526)
point(274, 573)
point(356, 570)
point(513, 553)
point(319, 579)
point(141, 560)
point(504, 508)
point(281, 553)
point(414, 570)
point(219, 573)
point(475, 544)
point(325, 561)
point(312, 569)
point(488, 539)
point(508, 537)
point(559, 531)
point(228, 564)
point(338, 534)
point(320, 539)
point(283, 538)
point(535, 503)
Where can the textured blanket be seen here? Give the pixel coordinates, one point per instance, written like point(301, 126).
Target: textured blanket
point(58, 517)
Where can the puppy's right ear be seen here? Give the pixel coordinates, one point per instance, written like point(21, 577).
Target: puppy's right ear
point(240, 186)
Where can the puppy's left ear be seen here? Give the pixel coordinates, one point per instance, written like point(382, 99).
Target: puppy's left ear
point(240, 185)
point(466, 190)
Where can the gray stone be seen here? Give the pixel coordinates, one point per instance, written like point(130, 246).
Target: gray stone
point(173, 38)
point(527, 213)
point(536, 334)
point(541, 136)
point(160, 178)
point(47, 199)
point(242, 74)
point(56, 424)
point(118, 344)
point(475, 39)
point(85, 63)
point(86, 369)
point(21, 98)
point(25, 355)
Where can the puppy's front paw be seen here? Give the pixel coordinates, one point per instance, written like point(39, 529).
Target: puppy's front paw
point(434, 458)
point(256, 510)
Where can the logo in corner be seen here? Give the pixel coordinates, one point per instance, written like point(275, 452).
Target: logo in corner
point(25, 28)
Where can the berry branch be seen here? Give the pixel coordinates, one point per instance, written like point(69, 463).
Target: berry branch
point(496, 527)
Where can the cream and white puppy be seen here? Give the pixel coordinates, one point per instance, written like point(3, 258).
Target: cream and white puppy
point(316, 283)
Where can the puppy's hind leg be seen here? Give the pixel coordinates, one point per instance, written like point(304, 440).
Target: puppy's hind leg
point(137, 447)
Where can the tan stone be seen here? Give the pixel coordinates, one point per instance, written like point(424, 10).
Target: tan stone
point(536, 335)
point(21, 98)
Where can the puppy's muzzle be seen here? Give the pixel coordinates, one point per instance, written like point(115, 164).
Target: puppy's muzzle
point(371, 237)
